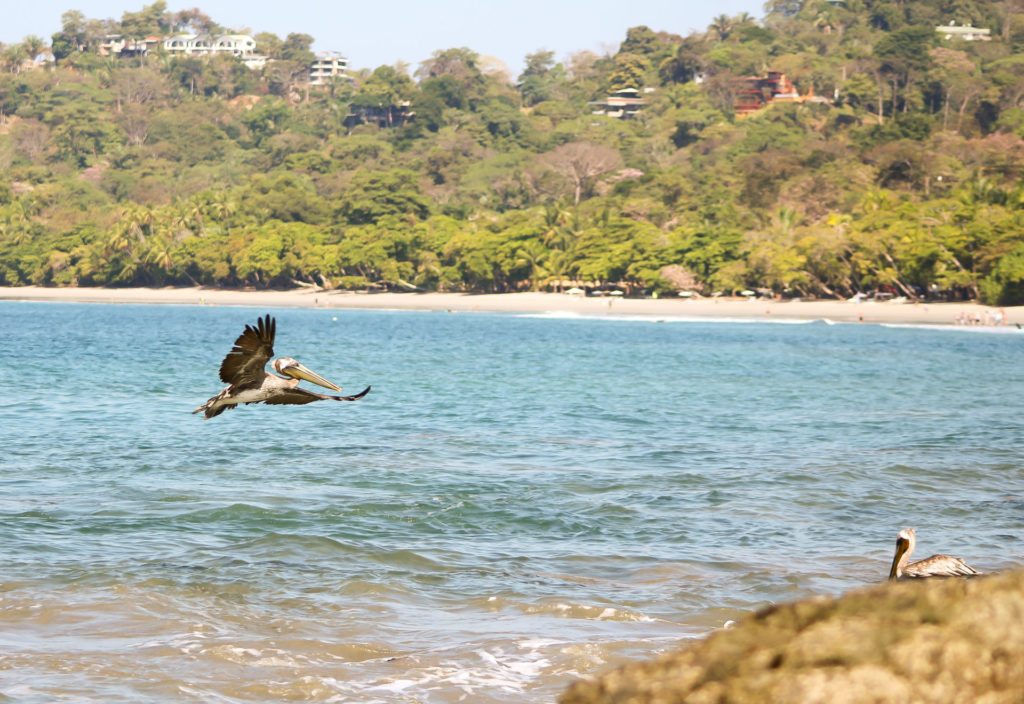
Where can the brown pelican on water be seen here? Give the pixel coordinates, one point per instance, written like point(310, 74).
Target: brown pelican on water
point(243, 370)
point(934, 566)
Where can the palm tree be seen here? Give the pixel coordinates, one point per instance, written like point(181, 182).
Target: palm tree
point(222, 206)
point(982, 189)
point(785, 220)
point(137, 220)
point(571, 232)
point(111, 63)
point(119, 242)
point(11, 58)
point(187, 215)
point(554, 226)
point(90, 263)
point(533, 254)
point(129, 271)
point(33, 46)
point(723, 24)
point(825, 18)
point(14, 223)
point(562, 266)
point(428, 268)
point(160, 254)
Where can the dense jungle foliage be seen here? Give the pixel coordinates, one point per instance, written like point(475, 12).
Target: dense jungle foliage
point(907, 176)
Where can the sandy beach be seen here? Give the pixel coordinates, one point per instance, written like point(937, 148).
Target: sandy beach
point(840, 311)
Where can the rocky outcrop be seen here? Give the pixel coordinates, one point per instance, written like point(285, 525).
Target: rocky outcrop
point(927, 641)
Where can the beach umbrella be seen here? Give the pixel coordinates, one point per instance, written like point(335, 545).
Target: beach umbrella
point(575, 291)
point(615, 293)
point(748, 292)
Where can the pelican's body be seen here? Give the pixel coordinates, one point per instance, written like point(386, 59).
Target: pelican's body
point(934, 566)
point(248, 382)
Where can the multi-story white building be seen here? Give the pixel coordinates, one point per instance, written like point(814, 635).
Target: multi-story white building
point(965, 32)
point(622, 104)
point(239, 45)
point(328, 66)
point(117, 45)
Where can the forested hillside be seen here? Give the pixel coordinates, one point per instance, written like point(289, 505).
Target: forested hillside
point(903, 172)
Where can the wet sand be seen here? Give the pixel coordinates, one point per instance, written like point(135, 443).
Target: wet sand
point(840, 311)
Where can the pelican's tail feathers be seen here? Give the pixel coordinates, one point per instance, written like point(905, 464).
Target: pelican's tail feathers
point(212, 408)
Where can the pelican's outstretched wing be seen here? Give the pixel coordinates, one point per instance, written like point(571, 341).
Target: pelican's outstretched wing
point(299, 396)
point(243, 368)
point(939, 566)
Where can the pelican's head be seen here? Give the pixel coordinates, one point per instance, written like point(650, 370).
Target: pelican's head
point(904, 546)
point(287, 366)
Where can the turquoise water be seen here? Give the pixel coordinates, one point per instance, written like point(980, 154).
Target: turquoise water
point(520, 500)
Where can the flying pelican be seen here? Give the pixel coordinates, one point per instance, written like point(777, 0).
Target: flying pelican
point(243, 370)
point(934, 566)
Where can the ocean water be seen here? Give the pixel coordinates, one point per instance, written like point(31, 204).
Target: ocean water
point(520, 501)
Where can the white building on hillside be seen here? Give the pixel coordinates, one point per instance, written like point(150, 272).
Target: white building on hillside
point(239, 45)
point(623, 104)
point(328, 66)
point(117, 45)
point(965, 32)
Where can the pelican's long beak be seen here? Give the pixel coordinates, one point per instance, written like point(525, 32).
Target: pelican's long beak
point(300, 371)
point(901, 547)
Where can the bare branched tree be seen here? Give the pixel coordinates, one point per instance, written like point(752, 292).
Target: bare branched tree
point(138, 86)
point(134, 120)
point(581, 163)
point(31, 139)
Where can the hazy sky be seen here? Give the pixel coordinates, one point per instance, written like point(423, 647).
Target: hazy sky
point(381, 32)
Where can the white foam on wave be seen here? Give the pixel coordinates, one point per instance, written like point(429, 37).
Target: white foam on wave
point(497, 670)
point(635, 318)
point(397, 685)
point(984, 329)
point(535, 643)
point(253, 657)
point(766, 320)
point(589, 611)
point(512, 670)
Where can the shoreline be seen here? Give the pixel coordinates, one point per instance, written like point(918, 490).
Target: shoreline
point(838, 311)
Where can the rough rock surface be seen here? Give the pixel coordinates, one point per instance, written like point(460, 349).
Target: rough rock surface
point(927, 641)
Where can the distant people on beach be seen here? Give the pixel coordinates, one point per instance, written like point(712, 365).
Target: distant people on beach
point(988, 317)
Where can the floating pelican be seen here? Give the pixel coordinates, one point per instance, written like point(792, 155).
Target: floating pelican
point(934, 566)
point(243, 370)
